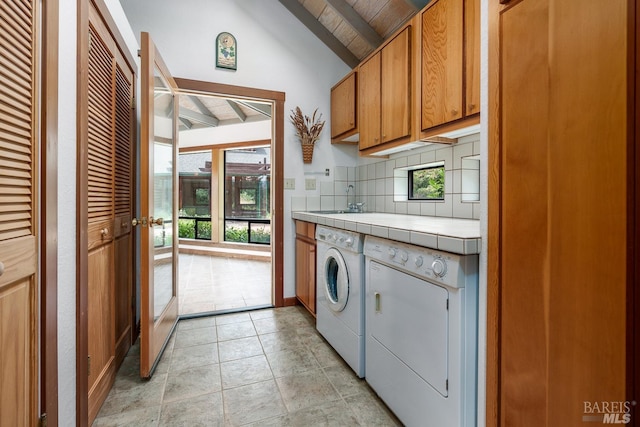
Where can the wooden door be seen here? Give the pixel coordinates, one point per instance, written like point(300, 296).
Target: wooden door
point(395, 92)
point(109, 195)
point(158, 217)
point(442, 63)
point(369, 102)
point(19, 198)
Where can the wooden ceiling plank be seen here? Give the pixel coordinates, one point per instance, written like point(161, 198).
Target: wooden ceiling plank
point(356, 21)
point(321, 32)
point(186, 123)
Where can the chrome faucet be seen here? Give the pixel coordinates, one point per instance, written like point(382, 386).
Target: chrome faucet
point(351, 205)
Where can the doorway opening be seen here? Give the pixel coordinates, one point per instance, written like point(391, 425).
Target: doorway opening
point(225, 206)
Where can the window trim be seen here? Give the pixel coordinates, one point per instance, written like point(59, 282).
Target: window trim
point(410, 173)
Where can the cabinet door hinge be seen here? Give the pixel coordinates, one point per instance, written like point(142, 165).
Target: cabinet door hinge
point(447, 303)
point(446, 384)
point(133, 102)
point(43, 420)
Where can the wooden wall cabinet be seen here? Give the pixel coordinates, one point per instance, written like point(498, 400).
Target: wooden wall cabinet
point(385, 94)
point(306, 265)
point(344, 111)
point(450, 65)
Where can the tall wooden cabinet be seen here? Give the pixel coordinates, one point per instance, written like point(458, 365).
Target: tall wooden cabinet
point(106, 179)
point(306, 265)
point(559, 273)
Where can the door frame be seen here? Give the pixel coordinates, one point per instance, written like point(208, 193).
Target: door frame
point(277, 167)
point(49, 212)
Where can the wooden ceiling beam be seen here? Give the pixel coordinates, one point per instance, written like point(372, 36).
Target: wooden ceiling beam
point(200, 106)
point(263, 109)
point(321, 32)
point(356, 21)
point(236, 109)
point(417, 4)
point(194, 116)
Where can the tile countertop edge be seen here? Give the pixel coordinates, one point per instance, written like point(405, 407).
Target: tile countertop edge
point(440, 236)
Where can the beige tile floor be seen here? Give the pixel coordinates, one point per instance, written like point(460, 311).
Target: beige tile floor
point(212, 283)
point(266, 367)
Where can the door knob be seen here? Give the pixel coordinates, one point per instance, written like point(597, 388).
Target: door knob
point(142, 221)
point(156, 221)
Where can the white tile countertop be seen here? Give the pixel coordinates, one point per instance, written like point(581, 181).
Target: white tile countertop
point(460, 236)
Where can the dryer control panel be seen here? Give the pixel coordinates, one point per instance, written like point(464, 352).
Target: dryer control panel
point(436, 266)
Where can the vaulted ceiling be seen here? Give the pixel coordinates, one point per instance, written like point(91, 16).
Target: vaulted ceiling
point(353, 28)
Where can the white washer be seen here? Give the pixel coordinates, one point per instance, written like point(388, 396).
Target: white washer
point(340, 293)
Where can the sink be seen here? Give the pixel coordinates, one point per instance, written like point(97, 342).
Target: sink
point(338, 211)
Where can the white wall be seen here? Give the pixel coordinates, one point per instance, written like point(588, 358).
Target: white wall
point(67, 214)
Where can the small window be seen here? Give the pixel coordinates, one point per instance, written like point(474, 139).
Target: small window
point(427, 183)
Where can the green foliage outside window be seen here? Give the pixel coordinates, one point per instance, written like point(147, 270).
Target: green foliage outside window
point(427, 183)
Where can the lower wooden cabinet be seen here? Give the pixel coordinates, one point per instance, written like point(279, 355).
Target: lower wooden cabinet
point(306, 265)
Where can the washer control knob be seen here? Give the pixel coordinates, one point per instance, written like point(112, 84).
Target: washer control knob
point(334, 237)
point(393, 252)
point(348, 241)
point(419, 261)
point(404, 256)
point(439, 267)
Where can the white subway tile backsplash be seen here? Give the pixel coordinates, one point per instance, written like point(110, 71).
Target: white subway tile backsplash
point(428, 157)
point(448, 182)
point(401, 208)
point(340, 202)
point(327, 203)
point(352, 174)
point(427, 208)
point(460, 151)
point(313, 203)
point(445, 208)
point(390, 165)
point(413, 208)
point(401, 162)
point(326, 188)
point(380, 186)
point(380, 170)
point(388, 186)
point(389, 205)
point(362, 172)
point(371, 171)
point(446, 155)
point(457, 181)
point(341, 173)
point(461, 210)
point(414, 159)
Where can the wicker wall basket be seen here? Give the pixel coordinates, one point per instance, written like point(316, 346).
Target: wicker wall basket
point(307, 151)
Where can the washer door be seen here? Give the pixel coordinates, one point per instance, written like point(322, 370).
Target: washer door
point(336, 280)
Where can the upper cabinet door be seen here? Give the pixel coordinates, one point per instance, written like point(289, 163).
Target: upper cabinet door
point(369, 102)
point(343, 107)
point(472, 56)
point(158, 216)
point(396, 87)
point(442, 63)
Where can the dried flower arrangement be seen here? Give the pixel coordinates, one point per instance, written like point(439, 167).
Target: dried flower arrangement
point(308, 130)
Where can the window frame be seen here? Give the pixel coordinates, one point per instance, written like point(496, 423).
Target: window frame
point(410, 177)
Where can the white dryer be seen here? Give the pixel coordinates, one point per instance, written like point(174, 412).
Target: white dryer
point(340, 293)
